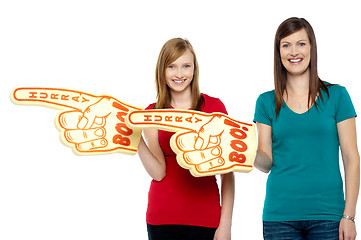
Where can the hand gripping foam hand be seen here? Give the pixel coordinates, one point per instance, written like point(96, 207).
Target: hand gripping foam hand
point(89, 124)
point(206, 144)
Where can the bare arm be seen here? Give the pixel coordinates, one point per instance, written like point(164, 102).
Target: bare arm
point(264, 159)
point(227, 195)
point(151, 154)
point(351, 160)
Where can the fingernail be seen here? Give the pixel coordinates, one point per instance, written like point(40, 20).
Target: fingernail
point(199, 143)
point(82, 123)
point(216, 151)
point(99, 132)
point(99, 121)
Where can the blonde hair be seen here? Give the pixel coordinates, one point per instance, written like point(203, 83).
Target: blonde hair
point(171, 51)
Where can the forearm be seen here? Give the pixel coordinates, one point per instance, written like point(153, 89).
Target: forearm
point(154, 167)
point(263, 162)
point(352, 185)
point(264, 159)
point(227, 198)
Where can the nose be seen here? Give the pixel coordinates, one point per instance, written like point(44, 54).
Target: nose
point(179, 73)
point(294, 51)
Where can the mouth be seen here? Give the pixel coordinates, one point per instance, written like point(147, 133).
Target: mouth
point(295, 60)
point(178, 81)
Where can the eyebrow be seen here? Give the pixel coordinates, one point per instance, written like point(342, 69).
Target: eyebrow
point(302, 40)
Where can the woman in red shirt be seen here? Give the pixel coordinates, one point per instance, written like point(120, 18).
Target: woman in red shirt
point(181, 206)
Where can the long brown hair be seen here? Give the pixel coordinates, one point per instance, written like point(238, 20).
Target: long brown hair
point(286, 28)
point(171, 51)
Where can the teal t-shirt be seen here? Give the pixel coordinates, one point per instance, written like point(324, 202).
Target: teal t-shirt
point(305, 182)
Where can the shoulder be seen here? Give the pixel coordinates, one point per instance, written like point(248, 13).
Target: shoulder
point(342, 102)
point(333, 87)
point(208, 99)
point(265, 108)
point(267, 97)
point(213, 104)
point(336, 91)
point(151, 106)
point(270, 94)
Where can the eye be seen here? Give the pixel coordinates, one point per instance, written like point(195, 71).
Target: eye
point(285, 45)
point(187, 66)
point(171, 67)
point(302, 44)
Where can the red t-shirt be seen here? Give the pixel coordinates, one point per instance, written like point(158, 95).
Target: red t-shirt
point(181, 198)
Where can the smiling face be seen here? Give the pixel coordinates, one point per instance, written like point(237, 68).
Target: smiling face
point(179, 74)
point(295, 52)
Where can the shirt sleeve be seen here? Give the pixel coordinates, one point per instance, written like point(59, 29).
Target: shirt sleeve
point(262, 111)
point(220, 107)
point(345, 108)
point(212, 104)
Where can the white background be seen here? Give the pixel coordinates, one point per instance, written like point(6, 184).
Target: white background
point(111, 47)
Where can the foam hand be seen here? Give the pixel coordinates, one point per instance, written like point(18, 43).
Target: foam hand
point(206, 144)
point(89, 124)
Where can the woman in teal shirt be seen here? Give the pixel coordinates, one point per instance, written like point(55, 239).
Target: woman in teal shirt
point(301, 125)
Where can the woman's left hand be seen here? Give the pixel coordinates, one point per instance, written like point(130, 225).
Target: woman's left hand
point(347, 230)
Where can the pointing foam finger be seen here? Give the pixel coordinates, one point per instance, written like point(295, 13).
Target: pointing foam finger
point(187, 141)
point(80, 136)
point(69, 120)
point(53, 98)
point(168, 119)
point(92, 145)
point(197, 157)
point(209, 165)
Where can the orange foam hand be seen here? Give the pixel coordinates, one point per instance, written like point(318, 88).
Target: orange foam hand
point(206, 144)
point(89, 124)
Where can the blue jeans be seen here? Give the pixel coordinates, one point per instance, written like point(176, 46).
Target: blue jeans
point(301, 230)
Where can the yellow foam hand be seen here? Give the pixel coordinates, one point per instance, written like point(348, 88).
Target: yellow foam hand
point(89, 124)
point(206, 144)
